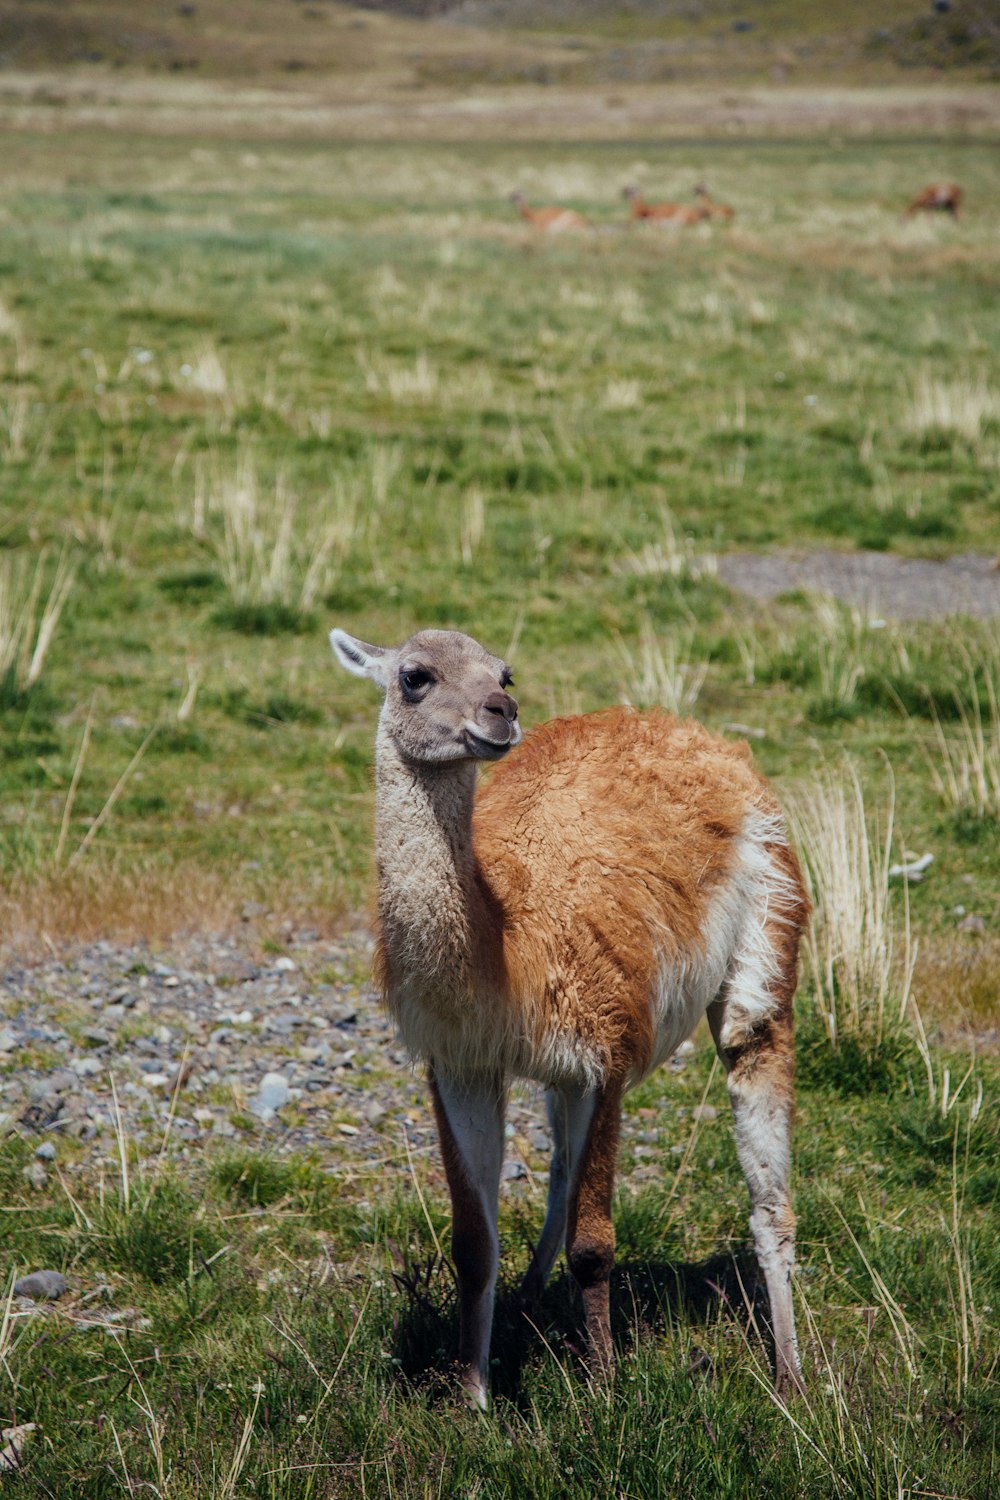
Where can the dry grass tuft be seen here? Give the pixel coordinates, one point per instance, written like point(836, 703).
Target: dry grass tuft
point(661, 673)
point(964, 765)
point(964, 407)
point(29, 617)
point(673, 554)
point(270, 549)
point(957, 984)
point(111, 900)
point(101, 900)
point(858, 950)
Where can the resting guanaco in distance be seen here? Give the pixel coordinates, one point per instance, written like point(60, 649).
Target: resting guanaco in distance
point(672, 213)
point(552, 218)
point(619, 876)
point(707, 203)
point(938, 197)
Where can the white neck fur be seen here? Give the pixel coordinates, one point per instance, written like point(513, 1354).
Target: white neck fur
point(429, 905)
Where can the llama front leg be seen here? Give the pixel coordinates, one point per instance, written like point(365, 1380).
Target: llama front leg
point(759, 1063)
point(470, 1120)
point(590, 1240)
point(570, 1114)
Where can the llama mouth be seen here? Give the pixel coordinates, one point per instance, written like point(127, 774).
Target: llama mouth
point(485, 748)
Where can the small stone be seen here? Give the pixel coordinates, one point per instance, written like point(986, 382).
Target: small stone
point(36, 1174)
point(95, 1036)
point(285, 965)
point(46, 1151)
point(41, 1286)
point(8, 1041)
point(513, 1170)
point(86, 1067)
point(274, 1095)
point(704, 1112)
point(348, 1129)
point(155, 1080)
point(13, 1440)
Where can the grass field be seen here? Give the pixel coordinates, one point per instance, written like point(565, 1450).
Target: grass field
point(250, 388)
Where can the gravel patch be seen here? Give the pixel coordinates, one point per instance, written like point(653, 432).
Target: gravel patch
point(908, 588)
point(210, 1044)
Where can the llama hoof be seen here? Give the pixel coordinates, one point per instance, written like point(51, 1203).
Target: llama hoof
point(788, 1382)
point(474, 1391)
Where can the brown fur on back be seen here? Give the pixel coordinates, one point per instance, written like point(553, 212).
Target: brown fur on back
point(625, 825)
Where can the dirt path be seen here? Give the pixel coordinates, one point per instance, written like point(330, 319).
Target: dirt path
point(908, 588)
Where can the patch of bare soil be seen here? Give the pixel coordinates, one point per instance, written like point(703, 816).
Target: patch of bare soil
point(907, 588)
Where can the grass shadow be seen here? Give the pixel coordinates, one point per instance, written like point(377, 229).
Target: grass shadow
point(647, 1297)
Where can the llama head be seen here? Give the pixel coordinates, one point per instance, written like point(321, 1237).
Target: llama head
point(445, 697)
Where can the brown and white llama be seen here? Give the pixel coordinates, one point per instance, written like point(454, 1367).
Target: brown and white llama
point(937, 197)
point(678, 214)
point(617, 878)
point(551, 218)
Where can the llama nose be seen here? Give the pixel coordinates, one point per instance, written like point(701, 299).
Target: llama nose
point(502, 704)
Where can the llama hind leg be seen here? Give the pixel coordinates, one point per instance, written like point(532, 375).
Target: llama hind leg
point(590, 1239)
point(759, 1061)
point(470, 1119)
point(570, 1114)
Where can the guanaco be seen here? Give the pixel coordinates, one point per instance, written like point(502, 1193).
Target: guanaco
point(712, 210)
point(552, 218)
point(938, 197)
point(667, 213)
point(619, 876)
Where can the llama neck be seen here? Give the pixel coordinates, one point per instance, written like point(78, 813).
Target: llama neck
point(430, 906)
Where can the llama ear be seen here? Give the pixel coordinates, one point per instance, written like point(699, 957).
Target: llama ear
point(358, 656)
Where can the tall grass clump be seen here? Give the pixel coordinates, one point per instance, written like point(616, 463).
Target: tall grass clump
point(964, 764)
point(276, 556)
point(832, 652)
point(29, 617)
point(661, 673)
point(858, 951)
point(671, 554)
point(961, 407)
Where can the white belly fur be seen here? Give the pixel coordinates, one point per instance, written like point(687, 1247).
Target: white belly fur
point(736, 953)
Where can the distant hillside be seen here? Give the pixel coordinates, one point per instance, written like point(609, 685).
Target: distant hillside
point(822, 35)
point(462, 42)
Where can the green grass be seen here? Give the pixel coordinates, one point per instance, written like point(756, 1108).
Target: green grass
point(259, 1281)
point(473, 427)
point(538, 441)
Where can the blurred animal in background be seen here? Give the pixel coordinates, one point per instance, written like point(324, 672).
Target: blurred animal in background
point(937, 197)
point(553, 218)
point(661, 213)
point(708, 205)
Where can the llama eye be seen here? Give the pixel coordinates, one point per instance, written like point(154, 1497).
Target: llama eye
point(507, 678)
point(414, 681)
